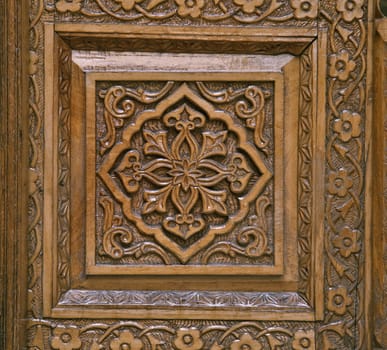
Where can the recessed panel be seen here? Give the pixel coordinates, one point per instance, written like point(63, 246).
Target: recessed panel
point(182, 181)
point(184, 174)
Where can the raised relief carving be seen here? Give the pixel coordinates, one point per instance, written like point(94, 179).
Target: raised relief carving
point(203, 299)
point(187, 170)
point(305, 175)
point(117, 239)
point(245, 12)
point(343, 326)
point(63, 182)
point(181, 336)
point(345, 166)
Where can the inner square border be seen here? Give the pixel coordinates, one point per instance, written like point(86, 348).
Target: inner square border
point(61, 300)
point(277, 268)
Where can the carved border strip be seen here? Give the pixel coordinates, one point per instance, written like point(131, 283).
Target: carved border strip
point(175, 335)
point(236, 12)
point(305, 171)
point(35, 205)
point(248, 300)
point(63, 240)
point(344, 323)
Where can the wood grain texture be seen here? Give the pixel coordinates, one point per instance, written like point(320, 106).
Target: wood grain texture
point(13, 171)
point(338, 173)
point(379, 181)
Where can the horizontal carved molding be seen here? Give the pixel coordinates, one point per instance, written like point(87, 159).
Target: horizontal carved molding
point(201, 299)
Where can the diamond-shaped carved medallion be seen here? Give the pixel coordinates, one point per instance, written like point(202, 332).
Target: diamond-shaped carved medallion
point(184, 172)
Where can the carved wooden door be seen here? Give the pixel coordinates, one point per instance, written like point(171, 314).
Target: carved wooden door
point(198, 174)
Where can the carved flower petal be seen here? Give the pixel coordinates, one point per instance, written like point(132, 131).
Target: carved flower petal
point(156, 200)
point(213, 201)
point(213, 144)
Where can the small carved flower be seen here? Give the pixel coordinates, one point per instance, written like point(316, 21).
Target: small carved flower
point(338, 300)
point(303, 340)
point(69, 5)
point(347, 241)
point(126, 340)
point(304, 8)
point(339, 183)
point(128, 4)
point(348, 125)
point(66, 338)
point(350, 9)
point(340, 65)
point(189, 7)
point(249, 6)
point(188, 339)
point(246, 342)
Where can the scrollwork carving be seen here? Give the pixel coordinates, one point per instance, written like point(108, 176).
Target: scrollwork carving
point(237, 12)
point(118, 102)
point(251, 240)
point(118, 240)
point(252, 111)
point(190, 175)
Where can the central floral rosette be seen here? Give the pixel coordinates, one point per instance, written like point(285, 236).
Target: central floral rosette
point(192, 174)
point(184, 172)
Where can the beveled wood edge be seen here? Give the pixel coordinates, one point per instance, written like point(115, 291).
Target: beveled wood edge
point(185, 32)
point(13, 170)
point(378, 184)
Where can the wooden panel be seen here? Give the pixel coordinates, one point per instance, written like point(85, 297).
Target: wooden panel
point(308, 60)
point(247, 107)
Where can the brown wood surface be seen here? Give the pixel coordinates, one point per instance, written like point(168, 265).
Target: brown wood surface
point(380, 185)
point(192, 175)
point(13, 172)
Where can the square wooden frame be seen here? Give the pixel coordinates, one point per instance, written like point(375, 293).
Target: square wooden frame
point(16, 121)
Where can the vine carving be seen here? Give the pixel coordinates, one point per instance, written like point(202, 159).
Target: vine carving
point(213, 336)
point(240, 12)
point(344, 231)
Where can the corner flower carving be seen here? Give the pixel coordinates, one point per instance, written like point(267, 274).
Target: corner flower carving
point(126, 340)
point(246, 341)
point(249, 6)
point(69, 5)
point(341, 66)
point(338, 300)
point(190, 8)
point(347, 241)
point(184, 172)
point(348, 126)
point(66, 338)
point(350, 9)
point(303, 340)
point(339, 183)
point(188, 339)
point(304, 8)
